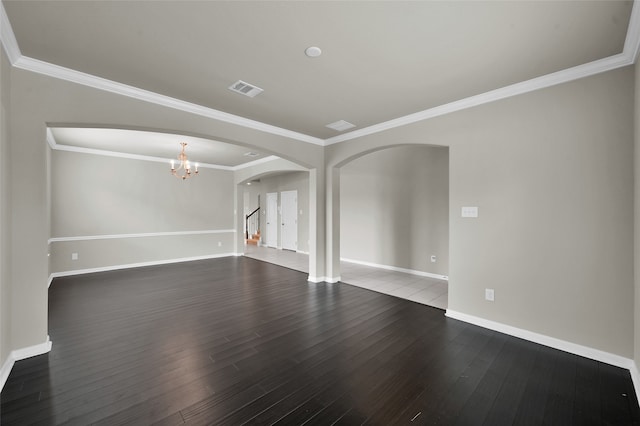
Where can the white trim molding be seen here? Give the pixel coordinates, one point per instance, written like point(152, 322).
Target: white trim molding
point(632, 40)
point(6, 370)
point(134, 265)
point(40, 67)
point(549, 80)
point(28, 352)
point(140, 235)
point(53, 144)
point(552, 342)
point(20, 354)
point(8, 37)
point(627, 57)
point(328, 280)
point(635, 378)
point(397, 269)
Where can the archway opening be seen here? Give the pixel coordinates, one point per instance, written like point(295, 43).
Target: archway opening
point(276, 213)
point(394, 222)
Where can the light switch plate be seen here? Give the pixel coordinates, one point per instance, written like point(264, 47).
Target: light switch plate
point(470, 212)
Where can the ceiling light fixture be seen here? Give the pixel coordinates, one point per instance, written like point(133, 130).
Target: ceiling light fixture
point(313, 51)
point(184, 165)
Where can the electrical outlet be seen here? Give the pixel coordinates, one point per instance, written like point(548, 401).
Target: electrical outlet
point(74, 256)
point(219, 243)
point(489, 294)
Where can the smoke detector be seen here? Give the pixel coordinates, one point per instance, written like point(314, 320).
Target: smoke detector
point(245, 88)
point(313, 52)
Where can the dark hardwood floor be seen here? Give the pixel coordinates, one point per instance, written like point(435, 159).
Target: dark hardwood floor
point(235, 340)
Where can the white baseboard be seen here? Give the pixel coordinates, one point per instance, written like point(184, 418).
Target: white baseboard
point(136, 265)
point(323, 279)
point(552, 342)
point(6, 370)
point(29, 351)
point(20, 354)
point(397, 269)
point(635, 378)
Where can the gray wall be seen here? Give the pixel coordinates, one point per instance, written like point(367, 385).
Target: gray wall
point(551, 171)
point(394, 208)
point(37, 100)
point(95, 195)
point(552, 174)
point(5, 212)
point(290, 181)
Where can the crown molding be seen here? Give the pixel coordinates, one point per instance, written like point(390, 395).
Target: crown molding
point(69, 148)
point(564, 76)
point(627, 57)
point(632, 41)
point(40, 67)
point(8, 38)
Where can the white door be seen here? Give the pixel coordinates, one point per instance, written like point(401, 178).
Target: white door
point(289, 230)
point(272, 219)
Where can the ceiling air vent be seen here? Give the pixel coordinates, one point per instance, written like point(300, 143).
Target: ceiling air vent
point(340, 126)
point(245, 88)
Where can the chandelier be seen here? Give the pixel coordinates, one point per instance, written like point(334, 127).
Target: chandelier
point(184, 167)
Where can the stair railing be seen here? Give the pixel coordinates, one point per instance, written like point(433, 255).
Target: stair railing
point(252, 223)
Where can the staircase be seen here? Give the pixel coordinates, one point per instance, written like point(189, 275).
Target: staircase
point(252, 228)
point(254, 240)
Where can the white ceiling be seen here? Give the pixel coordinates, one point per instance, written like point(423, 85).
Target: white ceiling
point(380, 61)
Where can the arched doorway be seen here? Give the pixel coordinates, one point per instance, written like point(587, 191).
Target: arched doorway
point(394, 222)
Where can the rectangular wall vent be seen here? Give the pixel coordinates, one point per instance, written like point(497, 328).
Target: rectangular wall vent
point(340, 126)
point(245, 88)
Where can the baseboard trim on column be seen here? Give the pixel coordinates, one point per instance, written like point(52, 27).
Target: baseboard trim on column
point(20, 354)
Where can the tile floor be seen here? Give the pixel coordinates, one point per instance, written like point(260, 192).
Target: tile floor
point(427, 291)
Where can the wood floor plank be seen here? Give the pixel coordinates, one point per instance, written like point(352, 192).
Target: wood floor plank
point(236, 340)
